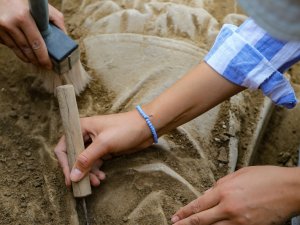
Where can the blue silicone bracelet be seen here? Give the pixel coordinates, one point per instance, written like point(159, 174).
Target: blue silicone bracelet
point(150, 125)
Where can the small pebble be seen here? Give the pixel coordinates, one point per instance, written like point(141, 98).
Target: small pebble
point(223, 156)
point(28, 154)
point(22, 179)
point(217, 139)
point(284, 157)
point(23, 205)
point(37, 183)
point(7, 194)
point(13, 114)
point(125, 219)
point(30, 167)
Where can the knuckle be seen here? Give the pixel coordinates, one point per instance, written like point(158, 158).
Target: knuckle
point(57, 152)
point(196, 220)
point(220, 181)
point(242, 220)
point(21, 17)
point(228, 211)
point(106, 145)
point(60, 16)
point(222, 193)
point(232, 210)
point(225, 192)
point(43, 61)
point(36, 44)
point(6, 23)
point(83, 161)
point(25, 48)
point(196, 206)
point(3, 21)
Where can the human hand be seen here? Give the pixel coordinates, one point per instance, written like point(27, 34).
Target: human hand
point(95, 174)
point(19, 32)
point(251, 196)
point(107, 135)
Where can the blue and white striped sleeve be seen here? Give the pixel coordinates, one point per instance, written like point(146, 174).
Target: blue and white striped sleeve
point(250, 57)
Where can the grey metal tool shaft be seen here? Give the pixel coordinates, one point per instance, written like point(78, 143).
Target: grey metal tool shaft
point(85, 211)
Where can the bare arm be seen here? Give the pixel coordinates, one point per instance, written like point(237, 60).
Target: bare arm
point(198, 91)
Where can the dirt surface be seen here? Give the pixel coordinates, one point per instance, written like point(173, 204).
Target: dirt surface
point(281, 142)
point(147, 187)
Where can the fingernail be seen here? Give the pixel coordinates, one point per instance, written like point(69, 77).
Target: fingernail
point(102, 176)
point(175, 219)
point(76, 175)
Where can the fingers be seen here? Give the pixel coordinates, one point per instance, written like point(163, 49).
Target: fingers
point(57, 18)
point(87, 158)
point(95, 181)
point(9, 42)
point(36, 42)
point(16, 22)
point(206, 201)
point(23, 45)
point(96, 175)
point(61, 154)
point(207, 217)
point(99, 174)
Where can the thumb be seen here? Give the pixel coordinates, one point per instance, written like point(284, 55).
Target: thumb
point(86, 160)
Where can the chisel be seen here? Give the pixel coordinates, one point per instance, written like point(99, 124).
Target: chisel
point(74, 140)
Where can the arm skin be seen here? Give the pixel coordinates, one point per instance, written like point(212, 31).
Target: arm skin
point(19, 32)
point(197, 92)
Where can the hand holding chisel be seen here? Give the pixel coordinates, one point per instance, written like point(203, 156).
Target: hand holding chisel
point(70, 118)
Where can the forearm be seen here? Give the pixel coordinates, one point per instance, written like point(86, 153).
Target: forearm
point(198, 91)
point(292, 190)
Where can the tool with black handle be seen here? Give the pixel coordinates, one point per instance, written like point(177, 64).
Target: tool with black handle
point(63, 50)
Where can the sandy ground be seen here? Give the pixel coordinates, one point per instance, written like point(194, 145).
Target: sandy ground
point(147, 187)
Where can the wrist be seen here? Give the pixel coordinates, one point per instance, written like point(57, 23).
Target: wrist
point(141, 125)
point(156, 116)
point(149, 123)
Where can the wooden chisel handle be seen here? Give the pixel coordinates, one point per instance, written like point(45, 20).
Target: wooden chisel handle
point(70, 118)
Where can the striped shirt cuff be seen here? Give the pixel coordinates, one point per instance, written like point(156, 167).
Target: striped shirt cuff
point(249, 57)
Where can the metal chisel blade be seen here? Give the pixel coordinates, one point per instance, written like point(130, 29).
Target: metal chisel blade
point(85, 211)
point(82, 211)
